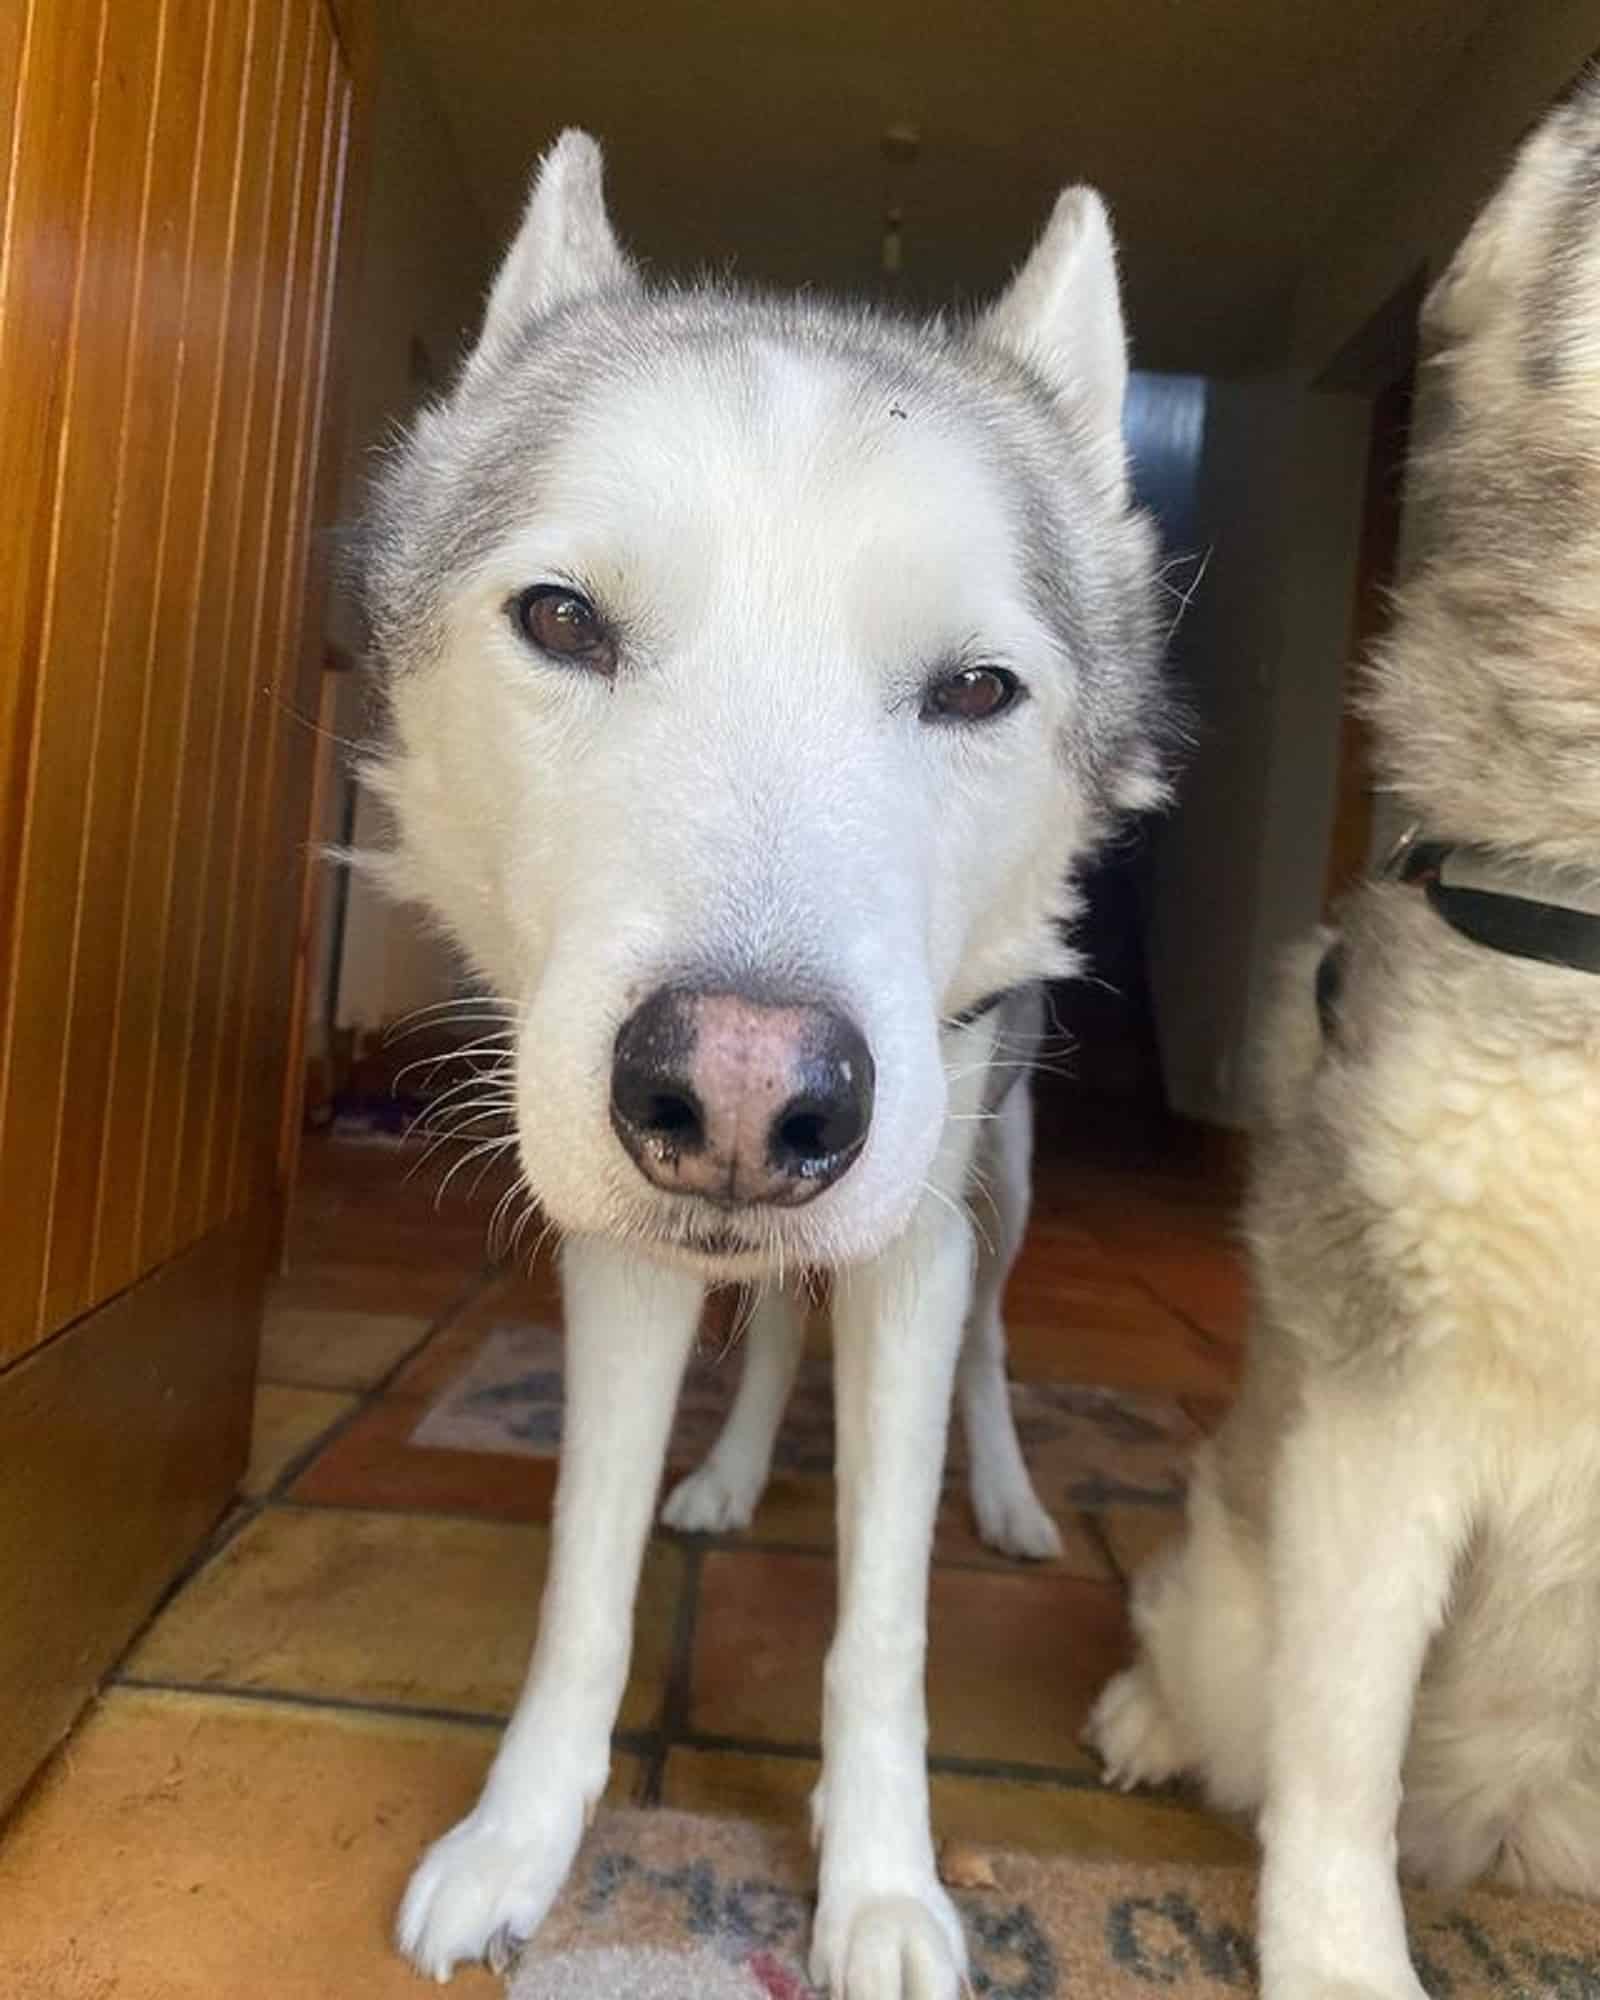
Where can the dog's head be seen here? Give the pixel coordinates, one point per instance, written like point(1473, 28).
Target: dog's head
point(757, 671)
point(1487, 695)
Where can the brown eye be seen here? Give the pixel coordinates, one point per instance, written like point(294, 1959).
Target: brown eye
point(971, 694)
point(564, 624)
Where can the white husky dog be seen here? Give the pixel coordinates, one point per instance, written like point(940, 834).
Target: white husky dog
point(1383, 1628)
point(758, 671)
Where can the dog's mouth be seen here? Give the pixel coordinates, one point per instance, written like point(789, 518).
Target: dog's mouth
point(717, 1243)
point(716, 1238)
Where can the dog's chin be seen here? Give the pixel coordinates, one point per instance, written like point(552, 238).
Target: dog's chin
point(723, 1245)
point(754, 1245)
point(748, 1246)
point(722, 1255)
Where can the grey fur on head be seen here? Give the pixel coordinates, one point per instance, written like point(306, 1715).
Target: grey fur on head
point(1487, 697)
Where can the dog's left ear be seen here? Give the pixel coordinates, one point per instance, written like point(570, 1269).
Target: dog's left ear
point(564, 249)
point(1062, 314)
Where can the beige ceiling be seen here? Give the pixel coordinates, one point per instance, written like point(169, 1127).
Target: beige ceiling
point(1225, 133)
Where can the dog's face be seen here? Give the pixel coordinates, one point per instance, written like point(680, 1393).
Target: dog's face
point(757, 672)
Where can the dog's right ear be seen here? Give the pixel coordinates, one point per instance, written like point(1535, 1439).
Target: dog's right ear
point(564, 248)
point(1062, 314)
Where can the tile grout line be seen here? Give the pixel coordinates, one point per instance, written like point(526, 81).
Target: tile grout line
point(644, 1744)
point(678, 1698)
point(374, 1392)
point(1055, 1777)
point(242, 1512)
point(1214, 1343)
point(1094, 1528)
point(305, 1698)
point(639, 1743)
point(690, 1543)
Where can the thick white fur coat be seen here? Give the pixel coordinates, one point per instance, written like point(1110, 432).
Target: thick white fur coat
point(794, 528)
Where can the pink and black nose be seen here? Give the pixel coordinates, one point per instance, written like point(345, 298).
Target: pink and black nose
point(740, 1101)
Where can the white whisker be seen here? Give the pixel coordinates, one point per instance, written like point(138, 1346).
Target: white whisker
point(492, 1045)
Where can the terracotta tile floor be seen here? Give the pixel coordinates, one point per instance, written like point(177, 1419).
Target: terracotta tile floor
point(236, 1815)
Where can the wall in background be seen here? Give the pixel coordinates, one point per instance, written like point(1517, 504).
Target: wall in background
point(1261, 652)
point(425, 262)
point(1239, 866)
point(1421, 193)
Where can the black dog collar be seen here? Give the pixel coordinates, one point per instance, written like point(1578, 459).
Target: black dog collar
point(1525, 909)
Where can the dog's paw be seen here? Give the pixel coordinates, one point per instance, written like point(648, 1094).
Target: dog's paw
point(709, 1503)
point(485, 1888)
point(1014, 1523)
point(889, 1947)
point(1132, 1732)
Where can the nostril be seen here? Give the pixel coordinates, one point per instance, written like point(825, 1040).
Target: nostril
point(823, 1127)
point(655, 1109)
point(804, 1134)
point(814, 1138)
point(673, 1115)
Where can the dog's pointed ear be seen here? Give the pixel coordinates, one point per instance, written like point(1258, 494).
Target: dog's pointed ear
point(1062, 313)
point(564, 248)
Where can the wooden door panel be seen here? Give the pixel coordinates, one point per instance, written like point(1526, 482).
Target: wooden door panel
point(275, 868)
point(187, 970)
point(13, 32)
point(261, 631)
point(44, 255)
point(106, 1024)
point(172, 233)
point(165, 295)
point(121, 1433)
point(105, 592)
point(250, 537)
point(200, 309)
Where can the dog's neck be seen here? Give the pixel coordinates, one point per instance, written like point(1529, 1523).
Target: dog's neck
point(1526, 909)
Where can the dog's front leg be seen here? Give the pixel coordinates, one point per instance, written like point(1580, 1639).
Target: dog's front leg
point(488, 1883)
point(885, 1928)
point(723, 1491)
point(1367, 1520)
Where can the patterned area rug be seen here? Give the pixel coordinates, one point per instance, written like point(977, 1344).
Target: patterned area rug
point(667, 1907)
point(1089, 1448)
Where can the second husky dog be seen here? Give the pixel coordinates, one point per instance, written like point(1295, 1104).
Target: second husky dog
point(1383, 1627)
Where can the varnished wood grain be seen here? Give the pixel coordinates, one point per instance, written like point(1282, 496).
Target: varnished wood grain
point(67, 746)
point(47, 213)
point(189, 948)
point(168, 664)
point(274, 624)
point(172, 207)
point(259, 508)
point(286, 808)
point(120, 1444)
point(156, 85)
